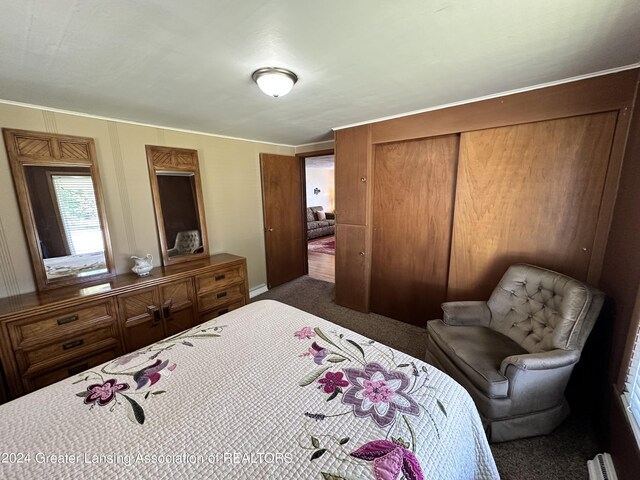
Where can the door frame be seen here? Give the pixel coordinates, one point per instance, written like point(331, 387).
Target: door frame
point(303, 157)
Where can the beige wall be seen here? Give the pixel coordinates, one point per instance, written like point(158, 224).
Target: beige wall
point(231, 186)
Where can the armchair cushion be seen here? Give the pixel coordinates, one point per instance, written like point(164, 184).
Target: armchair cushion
point(187, 242)
point(539, 308)
point(478, 352)
point(466, 313)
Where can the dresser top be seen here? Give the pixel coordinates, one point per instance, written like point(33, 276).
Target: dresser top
point(119, 284)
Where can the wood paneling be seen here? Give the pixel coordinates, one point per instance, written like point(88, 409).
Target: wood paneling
point(412, 216)
point(352, 285)
point(528, 193)
point(352, 157)
point(284, 230)
point(597, 94)
point(621, 280)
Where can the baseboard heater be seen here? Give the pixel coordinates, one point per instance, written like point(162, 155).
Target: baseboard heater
point(601, 468)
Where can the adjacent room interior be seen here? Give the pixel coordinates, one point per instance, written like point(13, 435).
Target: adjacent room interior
point(320, 216)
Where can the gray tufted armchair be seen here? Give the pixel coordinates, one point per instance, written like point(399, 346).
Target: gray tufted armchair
point(515, 353)
point(187, 242)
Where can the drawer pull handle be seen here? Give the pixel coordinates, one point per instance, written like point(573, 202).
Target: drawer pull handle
point(154, 312)
point(223, 311)
point(220, 277)
point(78, 368)
point(166, 309)
point(73, 344)
point(222, 294)
point(65, 320)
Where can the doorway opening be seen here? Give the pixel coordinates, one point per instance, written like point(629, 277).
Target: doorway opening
point(320, 216)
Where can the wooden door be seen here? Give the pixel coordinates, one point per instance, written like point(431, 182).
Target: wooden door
point(352, 285)
point(142, 315)
point(284, 231)
point(528, 193)
point(412, 218)
point(351, 157)
point(353, 258)
point(178, 306)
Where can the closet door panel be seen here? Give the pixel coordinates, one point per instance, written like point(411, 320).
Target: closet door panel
point(528, 193)
point(351, 147)
point(352, 286)
point(412, 218)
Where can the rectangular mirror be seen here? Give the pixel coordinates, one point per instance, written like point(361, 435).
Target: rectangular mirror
point(58, 188)
point(179, 207)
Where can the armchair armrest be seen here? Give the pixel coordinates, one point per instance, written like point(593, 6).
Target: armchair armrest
point(541, 361)
point(537, 380)
point(466, 313)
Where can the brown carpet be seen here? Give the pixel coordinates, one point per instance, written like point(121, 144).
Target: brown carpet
point(561, 455)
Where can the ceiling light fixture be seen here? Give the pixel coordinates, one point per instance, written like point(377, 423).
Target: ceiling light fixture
point(276, 82)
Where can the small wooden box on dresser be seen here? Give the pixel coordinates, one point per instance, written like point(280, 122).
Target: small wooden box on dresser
point(45, 337)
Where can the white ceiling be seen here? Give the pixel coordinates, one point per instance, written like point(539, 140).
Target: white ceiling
point(324, 161)
point(187, 64)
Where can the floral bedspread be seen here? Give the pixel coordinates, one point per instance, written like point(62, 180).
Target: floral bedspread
point(263, 392)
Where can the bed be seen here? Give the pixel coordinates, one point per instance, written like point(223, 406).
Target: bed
point(57, 267)
point(265, 391)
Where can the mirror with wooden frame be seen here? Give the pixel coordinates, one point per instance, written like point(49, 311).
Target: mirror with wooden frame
point(60, 198)
point(178, 203)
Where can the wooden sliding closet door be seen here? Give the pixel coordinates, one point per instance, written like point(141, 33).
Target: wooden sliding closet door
point(412, 215)
point(528, 193)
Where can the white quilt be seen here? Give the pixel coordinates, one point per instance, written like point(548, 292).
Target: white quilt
point(263, 392)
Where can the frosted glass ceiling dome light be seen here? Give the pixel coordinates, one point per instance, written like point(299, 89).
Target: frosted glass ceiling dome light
point(276, 82)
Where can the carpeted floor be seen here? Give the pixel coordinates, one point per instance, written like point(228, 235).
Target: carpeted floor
point(561, 455)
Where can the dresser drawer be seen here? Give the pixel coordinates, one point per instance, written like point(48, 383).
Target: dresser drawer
point(222, 310)
point(33, 382)
point(59, 352)
point(219, 280)
point(61, 323)
point(231, 294)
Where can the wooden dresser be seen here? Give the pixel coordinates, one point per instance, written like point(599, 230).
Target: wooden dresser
point(45, 337)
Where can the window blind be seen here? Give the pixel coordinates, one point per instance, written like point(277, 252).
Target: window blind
point(631, 395)
point(78, 212)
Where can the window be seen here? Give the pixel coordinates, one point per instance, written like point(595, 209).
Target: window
point(78, 211)
point(631, 395)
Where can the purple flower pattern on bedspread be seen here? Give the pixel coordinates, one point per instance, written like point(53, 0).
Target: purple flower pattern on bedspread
point(389, 459)
point(317, 352)
point(305, 333)
point(377, 393)
point(381, 391)
point(332, 381)
point(103, 393)
point(153, 373)
point(147, 371)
